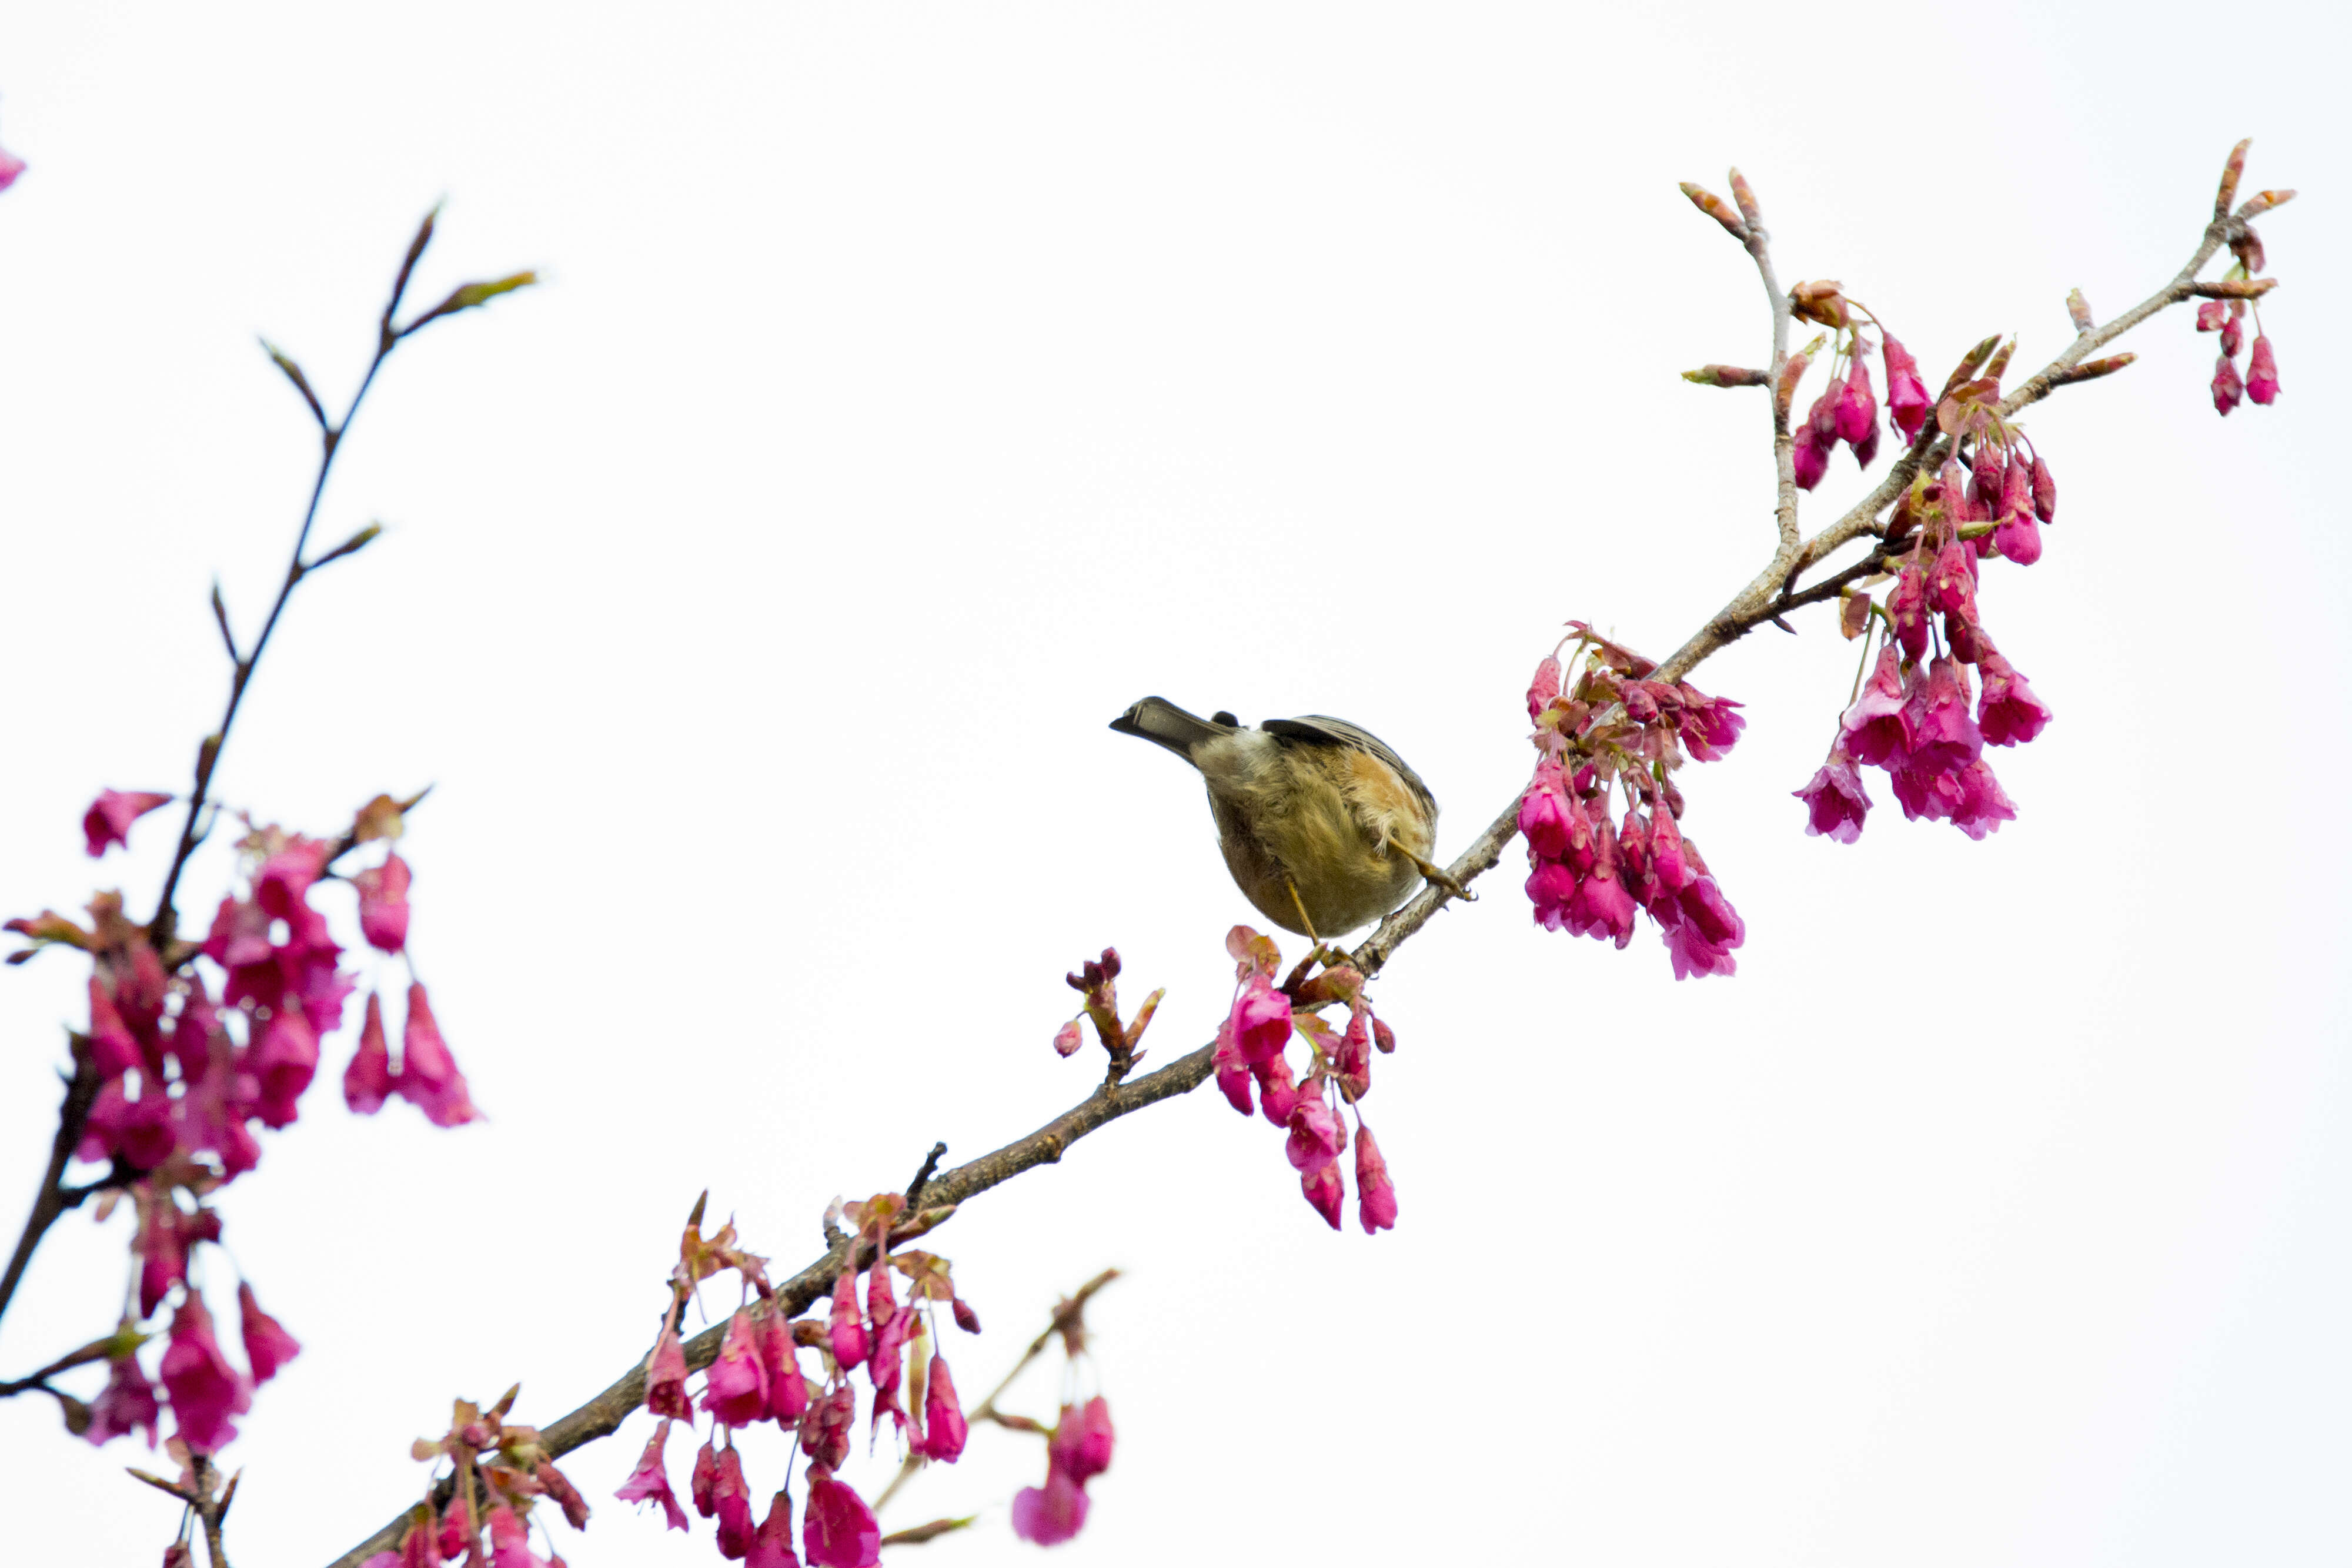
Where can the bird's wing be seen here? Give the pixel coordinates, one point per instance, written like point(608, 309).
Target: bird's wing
point(1323, 729)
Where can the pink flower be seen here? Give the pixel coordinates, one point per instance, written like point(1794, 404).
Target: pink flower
point(1260, 1020)
point(283, 1063)
point(1281, 1092)
point(1952, 584)
point(649, 1482)
point(1317, 1135)
point(848, 1330)
point(736, 1389)
point(267, 1345)
point(787, 1389)
point(1711, 726)
point(2045, 490)
point(1857, 407)
point(1943, 737)
point(772, 1547)
point(1050, 1514)
point(1907, 608)
point(383, 903)
point(1906, 395)
point(421, 1547)
point(1325, 1191)
point(1603, 908)
point(885, 1366)
point(2261, 372)
point(2210, 314)
point(944, 1430)
point(1543, 688)
point(1980, 808)
point(108, 821)
point(367, 1081)
point(1376, 1204)
point(128, 1403)
point(138, 1130)
point(824, 1429)
point(1812, 458)
point(1082, 1441)
point(1835, 802)
point(284, 882)
point(666, 1374)
point(839, 1531)
point(2227, 387)
point(1543, 812)
point(1232, 1073)
point(732, 1501)
point(2018, 536)
point(1552, 887)
point(1702, 941)
point(429, 1078)
point(510, 1541)
point(2233, 337)
point(2009, 713)
point(1066, 1039)
point(113, 1048)
point(10, 167)
point(206, 1389)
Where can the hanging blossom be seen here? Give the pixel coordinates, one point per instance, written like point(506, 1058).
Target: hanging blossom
point(1254, 1072)
point(2239, 294)
point(1613, 730)
point(1919, 715)
point(194, 1045)
point(499, 1473)
point(758, 1377)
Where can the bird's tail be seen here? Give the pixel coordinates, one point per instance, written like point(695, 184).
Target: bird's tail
point(1162, 723)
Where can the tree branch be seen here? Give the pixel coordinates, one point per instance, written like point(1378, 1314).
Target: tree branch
point(55, 1199)
point(1772, 592)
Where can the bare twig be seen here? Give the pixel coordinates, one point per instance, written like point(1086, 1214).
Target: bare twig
point(923, 1176)
point(55, 1199)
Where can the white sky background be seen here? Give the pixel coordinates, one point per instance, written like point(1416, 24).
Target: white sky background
point(913, 388)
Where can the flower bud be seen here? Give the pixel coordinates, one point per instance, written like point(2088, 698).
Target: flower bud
point(1857, 407)
point(2045, 490)
point(1543, 688)
point(1812, 458)
point(1906, 395)
point(2261, 373)
point(1907, 607)
point(2233, 336)
point(2227, 387)
point(2210, 314)
point(847, 1329)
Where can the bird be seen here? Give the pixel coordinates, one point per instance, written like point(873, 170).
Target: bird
point(1324, 826)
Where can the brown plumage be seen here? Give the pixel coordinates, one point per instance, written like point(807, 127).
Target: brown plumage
point(1323, 827)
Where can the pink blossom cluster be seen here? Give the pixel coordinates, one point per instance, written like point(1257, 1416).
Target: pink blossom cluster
point(1253, 1050)
point(758, 1377)
point(499, 1473)
point(1847, 409)
point(2227, 315)
point(1615, 728)
point(1918, 714)
point(186, 1064)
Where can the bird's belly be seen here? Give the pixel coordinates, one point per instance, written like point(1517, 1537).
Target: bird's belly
point(1343, 882)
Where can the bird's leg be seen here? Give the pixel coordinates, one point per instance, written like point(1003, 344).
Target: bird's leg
point(1436, 877)
point(1300, 904)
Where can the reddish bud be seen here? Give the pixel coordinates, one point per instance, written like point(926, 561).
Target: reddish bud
point(1907, 402)
point(787, 1389)
point(267, 1345)
point(1066, 1039)
point(383, 903)
point(944, 1424)
point(1376, 1204)
point(1858, 405)
point(731, 1500)
point(1326, 1192)
point(367, 1081)
point(848, 1330)
point(2211, 315)
point(1543, 688)
point(2261, 373)
point(1907, 608)
point(824, 1429)
point(666, 1375)
point(429, 1078)
point(2227, 387)
point(772, 1547)
point(1050, 1514)
point(1812, 459)
point(206, 1389)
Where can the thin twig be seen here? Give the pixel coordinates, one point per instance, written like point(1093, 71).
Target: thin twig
point(922, 1177)
point(1065, 1314)
point(55, 1199)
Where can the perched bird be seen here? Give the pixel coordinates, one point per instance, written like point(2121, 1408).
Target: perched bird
point(1324, 828)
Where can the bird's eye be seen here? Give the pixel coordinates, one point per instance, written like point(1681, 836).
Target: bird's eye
point(1221, 716)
